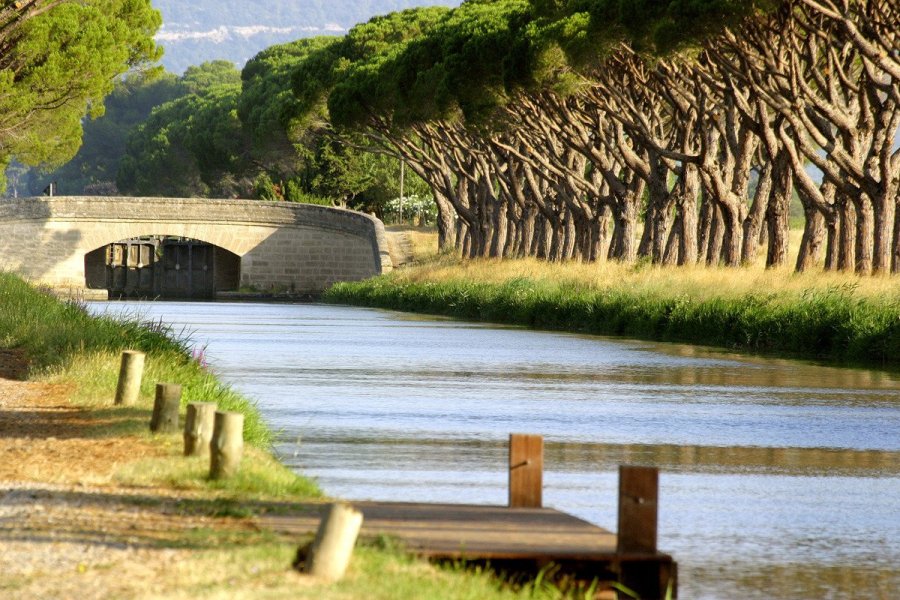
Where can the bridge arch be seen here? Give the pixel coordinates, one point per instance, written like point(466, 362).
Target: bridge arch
point(281, 246)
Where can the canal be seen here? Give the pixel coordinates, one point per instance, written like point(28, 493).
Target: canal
point(779, 479)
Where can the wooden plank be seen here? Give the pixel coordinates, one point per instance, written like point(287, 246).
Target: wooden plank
point(511, 537)
point(638, 509)
point(488, 532)
point(526, 470)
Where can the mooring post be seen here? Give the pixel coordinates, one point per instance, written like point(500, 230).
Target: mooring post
point(165, 408)
point(332, 549)
point(638, 509)
point(130, 373)
point(227, 444)
point(198, 428)
point(526, 470)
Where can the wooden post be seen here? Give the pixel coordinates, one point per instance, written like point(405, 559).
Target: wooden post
point(331, 550)
point(130, 373)
point(638, 509)
point(198, 428)
point(227, 444)
point(526, 470)
point(165, 408)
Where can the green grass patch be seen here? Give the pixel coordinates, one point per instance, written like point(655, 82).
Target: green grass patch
point(260, 477)
point(832, 323)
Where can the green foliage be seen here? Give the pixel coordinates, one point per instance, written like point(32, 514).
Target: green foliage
point(833, 324)
point(104, 142)
point(189, 145)
point(57, 65)
point(315, 79)
point(49, 331)
point(208, 76)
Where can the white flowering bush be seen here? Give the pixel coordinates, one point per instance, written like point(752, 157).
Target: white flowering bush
point(420, 210)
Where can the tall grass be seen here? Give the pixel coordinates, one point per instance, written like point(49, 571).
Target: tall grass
point(50, 331)
point(835, 318)
point(63, 342)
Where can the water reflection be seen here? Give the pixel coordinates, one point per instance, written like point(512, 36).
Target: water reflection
point(780, 479)
point(378, 453)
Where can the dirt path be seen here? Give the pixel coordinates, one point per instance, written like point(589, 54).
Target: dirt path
point(400, 247)
point(66, 529)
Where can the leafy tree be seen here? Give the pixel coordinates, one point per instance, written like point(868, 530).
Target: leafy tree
point(198, 79)
point(104, 141)
point(58, 60)
point(192, 146)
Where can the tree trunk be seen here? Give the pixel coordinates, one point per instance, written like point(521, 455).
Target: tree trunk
point(847, 241)
point(687, 207)
point(864, 236)
point(498, 228)
point(445, 223)
point(570, 237)
point(778, 215)
point(529, 225)
point(731, 243)
point(753, 224)
point(707, 218)
point(895, 258)
point(832, 244)
point(462, 231)
point(813, 236)
point(885, 210)
point(624, 249)
point(716, 236)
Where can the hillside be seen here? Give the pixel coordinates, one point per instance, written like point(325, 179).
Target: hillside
point(235, 30)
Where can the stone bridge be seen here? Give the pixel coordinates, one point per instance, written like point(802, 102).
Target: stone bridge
point(78, 243)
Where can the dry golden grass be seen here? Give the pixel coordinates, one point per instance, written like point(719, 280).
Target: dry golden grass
point(694, 281)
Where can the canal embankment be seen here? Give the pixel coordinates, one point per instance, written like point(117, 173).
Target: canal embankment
point(92, 504)
point(836, 318)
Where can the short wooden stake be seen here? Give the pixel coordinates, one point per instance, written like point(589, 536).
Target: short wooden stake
point(227, 444)
point(638, 509)
point(130, 373)
point(198, 428)
point(165, 408)
point(526, 470)
point(331, 550)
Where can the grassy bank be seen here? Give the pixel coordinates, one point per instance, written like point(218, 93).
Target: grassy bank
point(77, 356)
point(831, 317)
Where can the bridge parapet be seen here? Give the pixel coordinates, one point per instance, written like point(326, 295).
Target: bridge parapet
point(282, 245)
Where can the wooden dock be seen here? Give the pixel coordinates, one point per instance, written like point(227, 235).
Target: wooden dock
point(524, 536)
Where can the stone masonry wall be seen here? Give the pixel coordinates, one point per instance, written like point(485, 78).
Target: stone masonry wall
point(282, 245)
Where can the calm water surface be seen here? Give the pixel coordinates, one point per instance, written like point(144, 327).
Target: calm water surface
point(780, 479)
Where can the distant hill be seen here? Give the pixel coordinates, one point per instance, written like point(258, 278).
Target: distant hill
point(235, 30)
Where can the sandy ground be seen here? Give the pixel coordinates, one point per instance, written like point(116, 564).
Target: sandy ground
point(66, 529)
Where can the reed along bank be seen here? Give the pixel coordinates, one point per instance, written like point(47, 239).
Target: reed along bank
point(829, 317)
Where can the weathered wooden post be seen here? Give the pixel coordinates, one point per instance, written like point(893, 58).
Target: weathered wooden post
point(330, 553)
point(638, 509)
point(198, 428)
point(227, 444)
point(526, 470)
point(130, 373)
point(165, 408)
point(649, 577)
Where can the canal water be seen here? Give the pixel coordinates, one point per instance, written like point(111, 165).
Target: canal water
point(779, 479)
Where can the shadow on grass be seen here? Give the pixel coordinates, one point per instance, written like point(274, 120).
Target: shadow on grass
point(66, 423)
point(122, 520)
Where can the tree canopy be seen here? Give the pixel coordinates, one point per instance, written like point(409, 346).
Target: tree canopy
point(58, 60)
